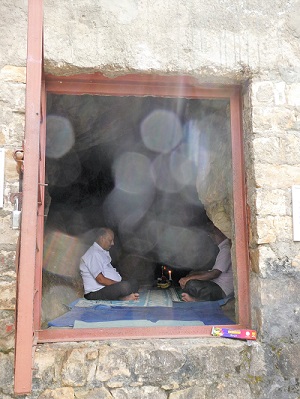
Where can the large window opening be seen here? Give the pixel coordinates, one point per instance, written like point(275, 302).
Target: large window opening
point(154, 170)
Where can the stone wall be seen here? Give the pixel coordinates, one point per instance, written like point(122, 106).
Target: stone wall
point(12, 113)
point(248, 42)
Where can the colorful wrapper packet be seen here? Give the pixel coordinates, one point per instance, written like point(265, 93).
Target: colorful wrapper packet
point(237, 333)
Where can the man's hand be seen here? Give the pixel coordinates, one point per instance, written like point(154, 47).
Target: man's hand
point(183, 281)
point(205, 275)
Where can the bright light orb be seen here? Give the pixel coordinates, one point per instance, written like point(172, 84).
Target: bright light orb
point(132, 173)
point(161, 131)
point(60, 136)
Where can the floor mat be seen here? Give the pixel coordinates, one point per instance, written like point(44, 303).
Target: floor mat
point(148, 298)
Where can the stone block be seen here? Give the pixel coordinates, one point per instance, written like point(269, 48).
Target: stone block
point(96, 393)
point(230, 388)
point(274, 228)
point(261, 256)
point(58, 393)
point(268, 92)
point(7, 330)
point(145, 392)
point(283, 227)
point(74, 370)
point(276, 176)
point(47, 366)
point(6, 372)
point(288, 360)
point(262, 92)
point(13, 43)
point(114, 363)
point(198, 391)
point(11, 73)
point(272, 291)
point(272, 202)
point(7, 291)
point(279, 323)
point(202, 360)
point(293, 94)
point(267, 150)
point(272, 119)
point(12, 126)
point(156, 366)
point(56, 362)
point(7, 235)
point(284, 248)
point(11, 173)
point(266, 233)
point(258, 366)
point(279, 313)
point(291, 144)
point(7, 261)
point(13, 95)
point(288, 73)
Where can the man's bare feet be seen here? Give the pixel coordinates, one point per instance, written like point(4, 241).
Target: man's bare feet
point(187, 298)
point(131, 297)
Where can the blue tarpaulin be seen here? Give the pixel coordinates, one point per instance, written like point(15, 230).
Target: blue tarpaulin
point(210, 313)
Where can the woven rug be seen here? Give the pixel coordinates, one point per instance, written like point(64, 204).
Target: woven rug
point(148, 298)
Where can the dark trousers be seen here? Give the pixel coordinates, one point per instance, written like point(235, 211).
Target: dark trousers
point(115, 291)
point(204, 290)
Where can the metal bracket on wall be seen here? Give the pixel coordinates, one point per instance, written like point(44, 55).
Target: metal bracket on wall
point(19, 197)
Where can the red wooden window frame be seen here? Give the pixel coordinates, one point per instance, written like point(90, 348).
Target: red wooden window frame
point(29, 280)
point(164, 86)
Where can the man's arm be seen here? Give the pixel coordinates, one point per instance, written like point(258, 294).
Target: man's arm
point(205, 275)
point(104, 281)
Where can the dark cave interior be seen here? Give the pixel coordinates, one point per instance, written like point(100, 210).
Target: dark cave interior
point(131, 164)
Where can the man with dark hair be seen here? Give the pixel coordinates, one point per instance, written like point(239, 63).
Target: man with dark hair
point(213, 284)
point(100, 279)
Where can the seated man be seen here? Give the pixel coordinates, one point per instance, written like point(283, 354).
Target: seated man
point(214, 284)
point(100, 279)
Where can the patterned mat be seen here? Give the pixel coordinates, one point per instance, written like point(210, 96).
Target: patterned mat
point(148, 298)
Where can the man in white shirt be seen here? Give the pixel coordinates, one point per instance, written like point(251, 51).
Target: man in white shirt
point(214, 284)
point(100, 279)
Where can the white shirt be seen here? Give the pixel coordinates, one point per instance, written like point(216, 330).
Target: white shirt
point(96, 260)
point(224, 264)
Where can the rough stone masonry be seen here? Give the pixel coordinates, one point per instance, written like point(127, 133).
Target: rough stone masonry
point(255, 44)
